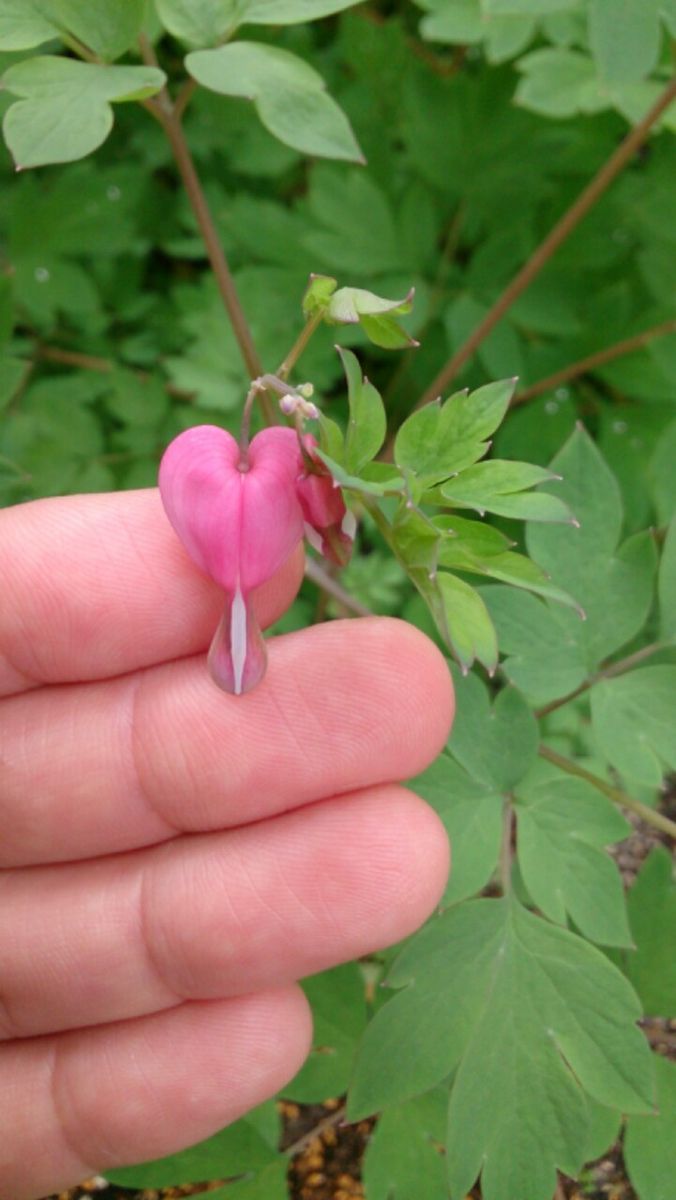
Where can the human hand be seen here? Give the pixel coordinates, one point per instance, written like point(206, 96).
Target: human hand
point(175, 858)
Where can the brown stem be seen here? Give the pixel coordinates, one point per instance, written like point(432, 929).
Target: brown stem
point(637, 342)
point(166, 114)
point(184, 97)
point(317, 1130)
point(649, 815)
point(91, 362)
point(506, 853)
point(610, 672)
point(563, 228)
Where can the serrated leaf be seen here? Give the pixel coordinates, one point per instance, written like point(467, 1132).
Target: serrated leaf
point(666, 585)
point(544, 659)
point(633, 722)
point(495, 743)
point(232, 1151)
point(614, 587)
point(650, 1142)
point(499, 487)
point(624, 36)
point(25, 24)
point(474, 416)
point(106, 28)
point(403, 1157)
point(367, 422)
point(563, 828)
point(508, 567)
point(65, 112)
point(472, 814)
point(337, 999)
point(529, 1018)
point(289, 96)
point(428, 448)
point(651, 967)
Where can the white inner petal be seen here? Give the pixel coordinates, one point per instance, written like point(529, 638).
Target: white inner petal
point(238, 639)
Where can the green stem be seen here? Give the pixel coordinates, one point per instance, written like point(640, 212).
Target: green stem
point(312, 324)
point(610, 672)
point(647, 814)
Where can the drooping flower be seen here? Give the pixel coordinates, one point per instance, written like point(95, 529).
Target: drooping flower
point(329, 526)
point(239, 517)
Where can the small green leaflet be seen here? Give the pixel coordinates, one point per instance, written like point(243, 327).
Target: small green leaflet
point(25, 24)
point(563, 827)
point(614, 587)
point(290, 12)
point(244, 1146)
point(472, 815)
point(377, 316)
point(500, 487)
point(666, 587)
point(633, 722)
point(462, 619)
point(543, 657)
point(624, 36)
point(390, 483)
point(530, 1019)
point(440, 440)
point(290, 97)
point(65, 110)
point(560, 83)
point(403, 1157)
point(104, 27)
point(337, 998)
point(367, 423)
point(651, 967)
point(650, 1142)
point(496, 743)
point(200, 22)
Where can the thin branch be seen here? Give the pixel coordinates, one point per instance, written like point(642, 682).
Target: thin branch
point(334, 1118)
point(318, 575)
point(563, 228)
point(647, 814)
point(165, 112)
point(609, 672)
point(184, 97)
point(105, 366)
point(312, 323)
point(592, 361)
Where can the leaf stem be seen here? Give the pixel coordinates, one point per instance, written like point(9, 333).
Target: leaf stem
point(627, 346)
point(609, 672)
point(647, 814)
point(318, 575)
point(312, 324)
point(562, 229)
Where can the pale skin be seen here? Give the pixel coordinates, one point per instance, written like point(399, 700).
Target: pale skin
point(173, 858)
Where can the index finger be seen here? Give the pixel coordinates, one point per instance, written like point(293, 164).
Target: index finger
point(99, 585)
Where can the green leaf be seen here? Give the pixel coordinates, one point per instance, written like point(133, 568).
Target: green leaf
point(290, 12)
point(472, 816)
point(560, 83)
point(65, 112)
point(199, 22)
point(25, 24)
point(106, 28)
point(651, 968)
point(633, 722)
point(544, 658)
point(12, 373)
point(497, 994)
point(268, 1184)
point(367, 423)
point(511, 568)
point(474, 416)
point(537, 8)
point(432, 443)
point(563, 827)
point(495, 743)
point(666, 587)
point(624, 36)
point(403, 1156)
point(498, 487)
point(234, 1150)
point(662, 475)
point(339, 1016)
point(463, 621)
point(650, 1142)
point(352, 306)
point(615, 588)
point(289, 96)
point(390, 484)
point(317, 294)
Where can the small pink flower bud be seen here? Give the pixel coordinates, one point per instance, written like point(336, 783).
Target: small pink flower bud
point(328, 526)
point(239, 521)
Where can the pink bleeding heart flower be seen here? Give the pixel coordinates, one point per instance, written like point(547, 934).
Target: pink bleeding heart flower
point(329, 526)
point(239, 518)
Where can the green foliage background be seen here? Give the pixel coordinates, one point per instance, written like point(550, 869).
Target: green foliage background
point(480, 122)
